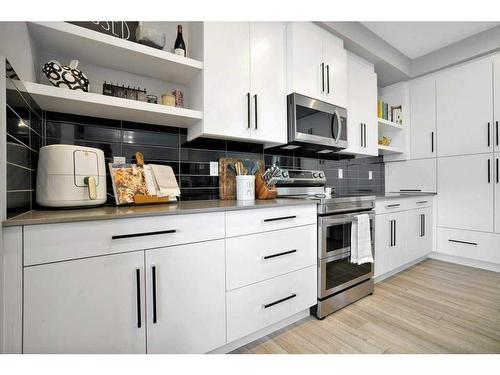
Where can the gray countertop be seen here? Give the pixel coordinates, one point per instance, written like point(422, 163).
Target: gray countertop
point(111, 212)
point(409, 194)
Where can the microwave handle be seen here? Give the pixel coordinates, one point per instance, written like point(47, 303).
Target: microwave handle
point(339, 133)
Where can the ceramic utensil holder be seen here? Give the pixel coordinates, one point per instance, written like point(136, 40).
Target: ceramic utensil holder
point(245, 187)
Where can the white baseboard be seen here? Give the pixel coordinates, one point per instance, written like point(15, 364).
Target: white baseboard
point(465, 261)
point(398, 270)
point(263, 332)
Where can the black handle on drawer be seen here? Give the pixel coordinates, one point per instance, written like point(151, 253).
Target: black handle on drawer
point(280, 254)
point(121, 236)
point(464, 242)
point(153, 276)
point(422, 202)
point(138, 287)
point(392, 205)
point(406, 190)
point(280, 218)
point(279, 301)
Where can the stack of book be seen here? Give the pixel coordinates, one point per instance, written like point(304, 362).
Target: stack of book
point(390, 113)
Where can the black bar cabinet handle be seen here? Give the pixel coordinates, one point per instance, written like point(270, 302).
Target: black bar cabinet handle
point(422, 202)
point(496, 128)
point(121, 236)
point(464, 242)
point(489, 171)
point(138, 286)
point(280, 254)
point(432, 142)
point(328, 79)
point(406, 190)
point(153, 276)
point(392, 233)
point(248, 109)
point(392, 205)
point(395, 232)
point(489, 134)
point(497, 172)
point(255, 110)
point(280, 218)
point(365, 135)
point(423, 225)
point(323, 77)
point(279, 301)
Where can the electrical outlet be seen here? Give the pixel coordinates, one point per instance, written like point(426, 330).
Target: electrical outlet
point(341, 173)
point(119, 160)
point(370, 175)
point(214, 168)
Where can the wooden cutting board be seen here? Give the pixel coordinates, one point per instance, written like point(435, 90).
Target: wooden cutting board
point(227, 178)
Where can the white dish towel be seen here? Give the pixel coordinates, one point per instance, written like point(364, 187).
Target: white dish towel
point(361, 242)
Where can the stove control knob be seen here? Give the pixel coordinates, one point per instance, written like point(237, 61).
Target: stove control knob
point(315, 175)
point(321, 175)
point(285, 174)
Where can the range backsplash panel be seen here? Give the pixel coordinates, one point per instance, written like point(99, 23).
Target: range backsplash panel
point(191, 160)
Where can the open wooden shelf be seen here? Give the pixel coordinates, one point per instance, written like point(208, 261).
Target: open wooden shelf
point(100, 49)
point(389, 125)
point(387, 150)
point(63, 100)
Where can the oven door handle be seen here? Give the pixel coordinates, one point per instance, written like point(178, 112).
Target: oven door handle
point(346, 254)
point(344, 218)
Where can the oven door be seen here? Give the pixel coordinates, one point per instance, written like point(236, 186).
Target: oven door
point(338, 273)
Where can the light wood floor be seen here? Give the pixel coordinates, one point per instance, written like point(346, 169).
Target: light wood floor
point(433, 307)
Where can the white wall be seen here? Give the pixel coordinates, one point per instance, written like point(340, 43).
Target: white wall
point(16, 46)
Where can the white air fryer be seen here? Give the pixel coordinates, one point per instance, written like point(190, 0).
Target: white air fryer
point(70, 176)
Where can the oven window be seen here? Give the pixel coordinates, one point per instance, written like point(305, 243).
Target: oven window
point(338, 238)
point(341, 271)
point(314, 122)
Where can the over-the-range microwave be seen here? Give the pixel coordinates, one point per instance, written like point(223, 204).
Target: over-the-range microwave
point(315, 125)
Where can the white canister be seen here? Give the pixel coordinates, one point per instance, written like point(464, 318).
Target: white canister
point(245, 188)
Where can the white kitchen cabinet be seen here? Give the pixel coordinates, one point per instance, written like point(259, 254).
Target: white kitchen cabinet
point(423, 118)
point(93, 305)
point(316, 63)
point(267, 81)
point(497, 191)
point(465, 192)
point(362, 107)
point(244, 82)
point(390, 242)
point(496, 96)
point(419, 232)
point(411, 175)
point(465, 109)
point(186, 298)
point(226, 66)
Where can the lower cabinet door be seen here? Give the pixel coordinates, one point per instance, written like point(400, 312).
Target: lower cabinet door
point(419, 233)
point(390, 242)
point(399, 249)
point(93, 305)
point(186, 298)
point(259, 305)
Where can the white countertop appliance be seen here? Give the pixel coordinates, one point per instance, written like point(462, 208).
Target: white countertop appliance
point(70, 176)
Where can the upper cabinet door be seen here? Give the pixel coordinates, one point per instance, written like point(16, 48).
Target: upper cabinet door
point(267, 72)
point(226, 68)
point(362, 107)
point(423, 118)
point(496, 77)
point(335, 60)
point(465, 192)
point(186, 299)
point(93, 305)
point(465, 109)
point(306, 73)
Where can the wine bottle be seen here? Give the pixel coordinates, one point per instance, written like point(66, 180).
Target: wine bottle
point(180, 46)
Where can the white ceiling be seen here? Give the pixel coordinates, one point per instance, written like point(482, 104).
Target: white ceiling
point(415, 39)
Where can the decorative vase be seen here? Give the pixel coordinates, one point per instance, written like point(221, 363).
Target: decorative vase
point(66, 76)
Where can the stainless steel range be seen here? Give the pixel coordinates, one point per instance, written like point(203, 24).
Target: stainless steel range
point(340, 282)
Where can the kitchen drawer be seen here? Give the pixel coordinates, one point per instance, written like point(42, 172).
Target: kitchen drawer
point(257, 257)
point(469, 244)
point(420, 202)
point(385, 206)
point(257, 306)
point(265, 219)
point(56, 242)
